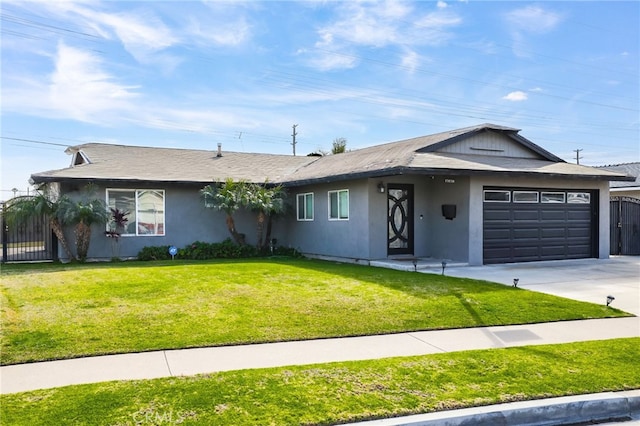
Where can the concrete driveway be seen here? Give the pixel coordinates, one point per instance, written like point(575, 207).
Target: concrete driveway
point(590, 280)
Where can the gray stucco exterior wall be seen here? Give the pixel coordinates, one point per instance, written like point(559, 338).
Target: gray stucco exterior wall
point(364, 235)
point(186, 220)
point(336, 238)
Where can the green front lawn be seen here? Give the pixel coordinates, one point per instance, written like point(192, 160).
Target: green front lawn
point(340, 392)
point(63, 311)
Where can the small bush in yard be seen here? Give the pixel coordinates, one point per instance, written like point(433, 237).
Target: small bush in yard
point(199, 250)
point(154, 253)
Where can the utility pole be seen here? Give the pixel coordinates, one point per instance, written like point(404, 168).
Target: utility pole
point(577, 151)
point(294, 134)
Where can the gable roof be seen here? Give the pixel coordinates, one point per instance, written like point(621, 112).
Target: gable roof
point(421, 155)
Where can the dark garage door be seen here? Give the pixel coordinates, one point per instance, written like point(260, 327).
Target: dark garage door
point(525, 225)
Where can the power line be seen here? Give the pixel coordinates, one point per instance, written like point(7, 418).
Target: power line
point(34, 141)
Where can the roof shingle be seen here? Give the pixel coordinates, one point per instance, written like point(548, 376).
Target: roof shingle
point(144, 164)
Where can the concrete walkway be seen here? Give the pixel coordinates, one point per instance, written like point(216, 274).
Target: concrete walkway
point(590, 280)
point(184, 362)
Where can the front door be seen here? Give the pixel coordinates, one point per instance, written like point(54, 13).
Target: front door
point(400, 219)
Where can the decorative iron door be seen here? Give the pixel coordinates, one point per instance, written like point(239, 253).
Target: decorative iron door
point(400, 219)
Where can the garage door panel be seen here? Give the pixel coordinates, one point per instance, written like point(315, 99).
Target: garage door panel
point(525, 215)
point(553, 232)
point(497, 235)
point(498, 216)
point(546, 214)
point(551, 250)
point(579, 233)
point(521, 232)
point(583, 215)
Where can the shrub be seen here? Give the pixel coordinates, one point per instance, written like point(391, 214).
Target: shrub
point(154, 253)
point(226, 249)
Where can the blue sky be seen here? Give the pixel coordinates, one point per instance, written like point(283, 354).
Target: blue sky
point(191, 74)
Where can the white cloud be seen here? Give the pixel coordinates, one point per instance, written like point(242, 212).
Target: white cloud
point(82, 90)
point(410, 61)
point(536, 89)
point(516, 96)
point(381, 24)
point(530, 20)
point(442, 5)
point(533, 19)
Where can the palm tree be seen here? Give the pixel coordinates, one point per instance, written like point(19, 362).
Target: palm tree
point(45, 202)
point(266, 202)
point(83, 214)
point(228, 197)
point(339, 146)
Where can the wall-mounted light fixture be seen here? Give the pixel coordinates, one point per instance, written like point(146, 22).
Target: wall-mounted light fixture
point(381, 187)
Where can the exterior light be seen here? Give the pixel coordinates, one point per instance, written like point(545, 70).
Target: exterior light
point(444, 265)
point(381, 187)
point(415, 264)
point(515, 282)
point(610, 299)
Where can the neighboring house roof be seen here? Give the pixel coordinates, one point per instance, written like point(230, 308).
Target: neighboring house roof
point(433, 154)
point(631, 169)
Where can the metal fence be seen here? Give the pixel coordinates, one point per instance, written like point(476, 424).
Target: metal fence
point(30, 241)
point(625, 225)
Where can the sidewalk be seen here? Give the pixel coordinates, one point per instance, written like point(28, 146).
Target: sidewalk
point(148, 365)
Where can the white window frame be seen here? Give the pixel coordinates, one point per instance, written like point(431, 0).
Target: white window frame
point(542, 195)
point(516, 193)
point(339, 207)
point(502, 191)
point(307, 216)
point(136, 193)
point(573, 196)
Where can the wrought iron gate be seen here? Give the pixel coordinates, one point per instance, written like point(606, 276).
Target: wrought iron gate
point(30, 241)
point(625, 225)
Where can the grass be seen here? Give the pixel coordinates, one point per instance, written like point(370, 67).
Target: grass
point(60, 311)
point(340, 392)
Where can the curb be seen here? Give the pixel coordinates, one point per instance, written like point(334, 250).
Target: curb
point(570, 410)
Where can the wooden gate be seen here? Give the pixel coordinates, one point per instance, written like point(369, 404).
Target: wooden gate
point(31, 241)
point(625, 225)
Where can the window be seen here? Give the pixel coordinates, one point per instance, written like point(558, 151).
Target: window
point(497, 196)
point(339, 205)
point(552, 197)
point(578, 197)
point(144, 210)
point(525, 196)
point(304, 206)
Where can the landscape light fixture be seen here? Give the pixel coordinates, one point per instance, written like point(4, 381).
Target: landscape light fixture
point(415, 264)
point(444, 265)
point(610, 299)
point(381, 187)
point(515, 282)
